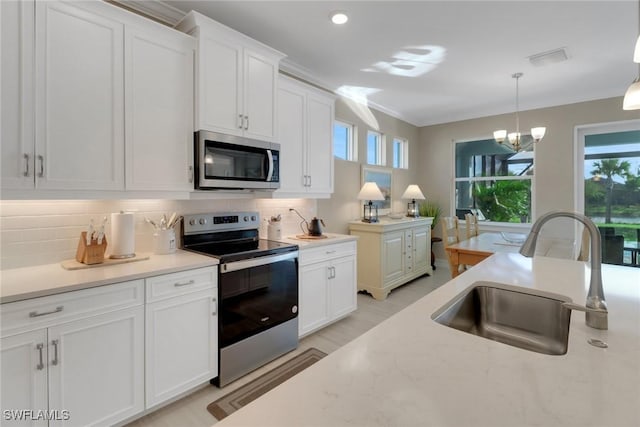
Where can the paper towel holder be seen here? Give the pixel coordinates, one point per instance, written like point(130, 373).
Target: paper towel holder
point(115, 238)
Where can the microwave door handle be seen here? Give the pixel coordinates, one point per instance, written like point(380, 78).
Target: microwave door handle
point(270, 161)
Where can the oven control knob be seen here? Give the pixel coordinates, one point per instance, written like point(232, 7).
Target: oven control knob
point(192, 222)
point(294, 309)
point(253, 217)
point(246, 219)
point(202, 221)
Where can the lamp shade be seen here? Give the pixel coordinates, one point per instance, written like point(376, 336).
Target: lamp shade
point(370, 191)
point(413, 192)
point(500, 135)
point(538, 133)
point(632, 96)
point(636, 53)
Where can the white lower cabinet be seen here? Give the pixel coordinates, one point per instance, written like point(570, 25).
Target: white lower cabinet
point(63, 366)
point(327, 285)
point(181, 337)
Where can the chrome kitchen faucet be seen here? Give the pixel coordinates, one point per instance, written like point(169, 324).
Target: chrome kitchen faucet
point(595, 307)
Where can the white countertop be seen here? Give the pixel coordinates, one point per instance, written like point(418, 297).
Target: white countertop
point(42, 280)
point(331, 239)
point(410, 370)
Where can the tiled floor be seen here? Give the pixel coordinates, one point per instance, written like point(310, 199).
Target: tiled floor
point(191, 410)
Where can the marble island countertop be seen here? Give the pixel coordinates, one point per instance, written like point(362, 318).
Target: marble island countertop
point(410, 370)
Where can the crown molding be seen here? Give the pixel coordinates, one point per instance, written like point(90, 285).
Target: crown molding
point(155, 9)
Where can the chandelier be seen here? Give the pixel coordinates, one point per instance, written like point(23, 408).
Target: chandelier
point(515, 138)
point(631, 99)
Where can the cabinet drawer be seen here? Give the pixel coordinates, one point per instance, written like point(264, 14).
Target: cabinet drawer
point(184, 282)
point(326, 252)
point(55, 309)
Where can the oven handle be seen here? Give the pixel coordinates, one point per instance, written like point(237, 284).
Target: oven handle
point(255, 262)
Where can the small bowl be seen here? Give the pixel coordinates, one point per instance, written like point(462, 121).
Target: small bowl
point(513, 237)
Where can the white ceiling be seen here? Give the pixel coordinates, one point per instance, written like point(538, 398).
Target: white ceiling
point(484, 43)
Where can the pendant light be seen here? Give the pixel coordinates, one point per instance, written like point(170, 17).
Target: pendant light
point(632, 96)
point(515, 138)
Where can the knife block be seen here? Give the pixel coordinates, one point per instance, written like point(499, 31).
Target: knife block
point(92, 253)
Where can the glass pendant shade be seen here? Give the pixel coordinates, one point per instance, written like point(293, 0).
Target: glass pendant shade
point(514, 138)
point(500, 135)
point(538, 133)
point(632, 96)
point(636, 53)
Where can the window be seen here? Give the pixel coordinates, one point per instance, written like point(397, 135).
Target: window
point(375, 152)
point(343, 141)
point(494, 181)
point(611, 176)
point(400, 153)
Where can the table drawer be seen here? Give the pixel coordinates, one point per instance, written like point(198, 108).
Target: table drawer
point(184, 282)
point(326, 252)
point(51, 310)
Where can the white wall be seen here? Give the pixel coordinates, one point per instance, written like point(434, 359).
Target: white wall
point(43, 232)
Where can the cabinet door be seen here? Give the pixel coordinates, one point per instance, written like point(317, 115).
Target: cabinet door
point(181, 344)
point(219, 91)
point(79, 99)
point(260, 83)
point(291, 132)
point(314, 298)
point(421, 249)
point(159, 104)
point(320, 144)
point(16, 127)
point(96, 367)
point(342, 286)
point(24, 374)
point(393, 256)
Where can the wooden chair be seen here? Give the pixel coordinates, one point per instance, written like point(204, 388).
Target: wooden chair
point(472, 225)
point(450, 236)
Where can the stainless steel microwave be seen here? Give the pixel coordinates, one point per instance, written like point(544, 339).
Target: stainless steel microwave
point(231, 162)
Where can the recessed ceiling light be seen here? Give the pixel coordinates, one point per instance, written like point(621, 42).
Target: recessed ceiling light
point(339, 18)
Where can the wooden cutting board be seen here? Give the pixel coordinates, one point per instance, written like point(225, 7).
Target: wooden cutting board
point(310, 237)
point(72, 264)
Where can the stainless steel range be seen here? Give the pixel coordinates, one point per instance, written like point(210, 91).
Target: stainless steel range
point(257, 290)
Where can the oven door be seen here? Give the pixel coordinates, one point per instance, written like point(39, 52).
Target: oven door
point(226, 161)
point(256, 294)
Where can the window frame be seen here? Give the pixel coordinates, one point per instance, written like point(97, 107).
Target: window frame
point(380, 148)
point(352, 137)
point(492, 225)
point(403, 162)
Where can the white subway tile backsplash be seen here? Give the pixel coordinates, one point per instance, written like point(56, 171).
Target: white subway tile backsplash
point(43, 232)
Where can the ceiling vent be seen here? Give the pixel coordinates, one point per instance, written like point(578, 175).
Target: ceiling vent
point(549, 57)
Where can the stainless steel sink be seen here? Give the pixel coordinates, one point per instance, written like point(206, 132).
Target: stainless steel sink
point(510, 315)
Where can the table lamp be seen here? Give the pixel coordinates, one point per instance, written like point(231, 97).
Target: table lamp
point(413, 192)
point(370, 192)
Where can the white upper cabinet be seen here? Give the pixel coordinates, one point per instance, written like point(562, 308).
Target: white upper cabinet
point(16, 125)
point(88, 88)
point(79, 99)
point(305, 130)
point(236, 80)
point(159, 109)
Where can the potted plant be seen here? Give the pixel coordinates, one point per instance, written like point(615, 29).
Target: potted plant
point(432, 210)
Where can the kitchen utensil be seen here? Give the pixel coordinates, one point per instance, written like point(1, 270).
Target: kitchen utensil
point(171, 221)
point(89, 235)
point(149, 221)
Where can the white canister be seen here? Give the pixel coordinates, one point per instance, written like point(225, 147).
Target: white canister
point(164, 241)
point(274, 231)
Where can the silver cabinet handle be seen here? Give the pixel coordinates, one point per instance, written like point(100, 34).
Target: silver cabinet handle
point(178, 284)
point(40, 366)
point(215, 306)
point(241, 121)
point(246, 123)
point(57, 310)
point(329, 273)
point(55, 352)
point(310, 182)
point(41, 160)
point(190, 174)
point(26, 165)
point(330, 252)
